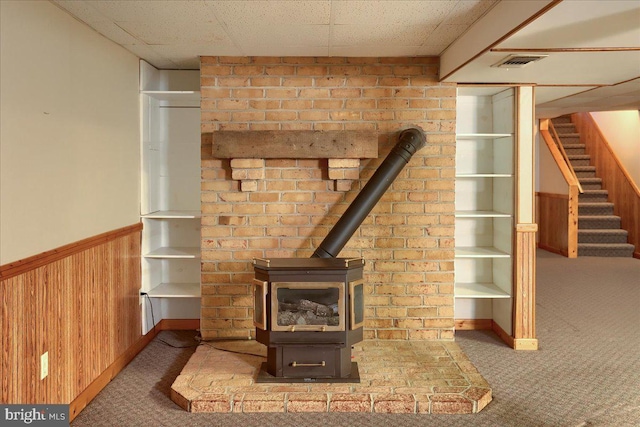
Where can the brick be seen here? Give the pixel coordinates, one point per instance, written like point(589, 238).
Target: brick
point(231, 104)
point(214, 70)
point(312, 70)
point(247, 185)
point(344, 163)
point(296, 104)
point(343, 185)
point(279, 70)
point(345, 115)
point(281, 93)
point(351, 402)
point(281, 115)
point(331, 81)
point(233, 81)
point(266, 81)
point(327, 104)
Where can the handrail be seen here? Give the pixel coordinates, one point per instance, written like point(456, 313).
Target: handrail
point(556, 140)
point(574, 190)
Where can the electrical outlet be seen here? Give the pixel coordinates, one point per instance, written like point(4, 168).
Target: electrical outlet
point(44, 365)
point(141, 297)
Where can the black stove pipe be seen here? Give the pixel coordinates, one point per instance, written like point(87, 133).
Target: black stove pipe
point(409, 142)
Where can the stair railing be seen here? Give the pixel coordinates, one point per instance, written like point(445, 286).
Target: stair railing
point(562, 224)
point(556, 140)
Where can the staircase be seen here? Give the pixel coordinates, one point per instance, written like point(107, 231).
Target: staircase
point(599, 231)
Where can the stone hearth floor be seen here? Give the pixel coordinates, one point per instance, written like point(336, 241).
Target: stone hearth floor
point(395, 377)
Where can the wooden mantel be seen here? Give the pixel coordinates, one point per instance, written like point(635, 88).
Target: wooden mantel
point(249, 149)
point(294, 144)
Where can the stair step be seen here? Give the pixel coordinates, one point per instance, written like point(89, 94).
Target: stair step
point(585, 171)
point(561, 119)
point(605, 208)
point(574, 149)
point(593, 196)
point(570, 146)
point(603, 236)
point(598, 222)
point(579, 159)
point(569, 139)
point(564, 127)
point(606, 249)
point(591, 183)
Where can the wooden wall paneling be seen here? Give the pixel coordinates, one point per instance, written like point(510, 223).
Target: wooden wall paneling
point(81, 307)
point(623, 192)
point(553, 221)
point(524, 331)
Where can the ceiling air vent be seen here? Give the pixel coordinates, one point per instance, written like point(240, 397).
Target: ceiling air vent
point(518, 61)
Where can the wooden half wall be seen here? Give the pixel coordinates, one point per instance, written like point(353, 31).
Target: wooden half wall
point(80, 303)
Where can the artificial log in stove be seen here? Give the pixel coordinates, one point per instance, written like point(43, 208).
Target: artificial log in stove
point(310, 312)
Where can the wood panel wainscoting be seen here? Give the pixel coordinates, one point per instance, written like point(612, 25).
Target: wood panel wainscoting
point(524, 288)
point(555, 214)
point(623, 192)
point(81, 304)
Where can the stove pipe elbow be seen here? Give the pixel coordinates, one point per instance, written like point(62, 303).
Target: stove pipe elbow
point(409, 142)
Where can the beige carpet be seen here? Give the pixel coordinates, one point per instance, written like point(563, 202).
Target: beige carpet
point(586, 373)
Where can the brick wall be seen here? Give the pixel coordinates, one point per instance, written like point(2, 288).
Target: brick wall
point(407, 240)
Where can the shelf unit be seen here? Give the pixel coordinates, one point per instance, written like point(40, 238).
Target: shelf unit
point(170, 199)
point(485, 204)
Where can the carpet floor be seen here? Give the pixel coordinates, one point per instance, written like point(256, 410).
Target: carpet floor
point(586, 372)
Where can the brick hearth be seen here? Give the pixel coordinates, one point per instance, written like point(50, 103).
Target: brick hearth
point(395, 377)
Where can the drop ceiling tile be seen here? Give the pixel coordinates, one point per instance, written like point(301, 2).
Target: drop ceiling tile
point(381, 34)
point(284, 50)
point(182, 52)
point(274, 13)
point(445, 34)
point(373, 51)
point(156, 11)
point(265, 34)
point(82, 10)
point(113, 32)
point(376, 12)
point(178, 32)
point(431, 50)
point(469, 11)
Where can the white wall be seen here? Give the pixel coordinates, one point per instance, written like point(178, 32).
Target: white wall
point(622, 131)
point(69, 142)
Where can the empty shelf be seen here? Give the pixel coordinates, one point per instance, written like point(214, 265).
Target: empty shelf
point(172, 214)
point(171, 252)
point(479, 290)
point(480, 252)
point(175, 290)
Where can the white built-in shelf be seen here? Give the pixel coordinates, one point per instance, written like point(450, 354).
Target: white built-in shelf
point(479, 290)
point(173, 252)
point(175, 290)
point(468, 136)
point(480, 252)
point(484, 175)
point(481, 214)
point(173, 95)
point(172, 214)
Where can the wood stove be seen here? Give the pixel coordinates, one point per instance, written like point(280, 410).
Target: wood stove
point(309, 312)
